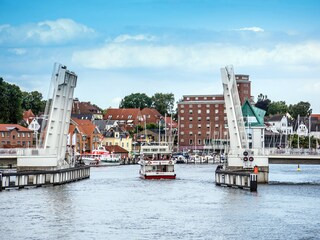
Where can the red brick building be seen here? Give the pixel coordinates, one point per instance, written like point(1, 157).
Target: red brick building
point(202, 119)
point(14, 135)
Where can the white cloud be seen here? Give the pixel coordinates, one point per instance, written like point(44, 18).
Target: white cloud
point(197, 56)
point(46, 32)
point(18, 51)
point(253, 29)
point(139, 37)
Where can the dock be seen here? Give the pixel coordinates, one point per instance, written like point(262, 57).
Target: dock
point(30, 179)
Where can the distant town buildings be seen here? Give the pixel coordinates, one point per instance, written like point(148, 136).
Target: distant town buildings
point(202, 119)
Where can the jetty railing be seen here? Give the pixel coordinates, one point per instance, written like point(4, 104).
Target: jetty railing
point(17, 180)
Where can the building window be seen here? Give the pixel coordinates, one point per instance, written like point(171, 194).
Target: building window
point(13, 137)
point(207, 105)
point(208, 118)
point(182, 125)
point(208, 125)
point(122, 145)
point(182, 118)
point(130, 116)
point(196, 98)
point(199, 133)
point(190, 142)
point(208, 111)
point(127, 144)
point(190, 111)
point(182, 111)
point(205, 98)
point(182, 140)
point(190, 133)
point(199, 118)
point(199, 111)
point(216, 111)
point(23, 135)
point(199, 141)
point(190, 106)
point(188, 98)
point(28, 134)
point(199, 125)
point(182, 106)
point(199, 105)
point(2, 134)
point(216, 118)
point(216, 105)
point(190, 125)
point(217, 125)
point(190, 119)
point(182, 133)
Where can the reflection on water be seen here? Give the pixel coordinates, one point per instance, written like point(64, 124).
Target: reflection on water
point(115, 204)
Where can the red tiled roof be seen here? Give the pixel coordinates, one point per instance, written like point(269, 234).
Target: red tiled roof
point(9, 127)
point(28, 116)
point(122, 113)
point(151, 114)
point(315, 115)
point(116, 149)
point(85, 126)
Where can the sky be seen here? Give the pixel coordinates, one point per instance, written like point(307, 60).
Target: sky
point(121, 47)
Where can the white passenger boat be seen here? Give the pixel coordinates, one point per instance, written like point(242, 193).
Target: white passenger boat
point(156, 161)
point(100, 157)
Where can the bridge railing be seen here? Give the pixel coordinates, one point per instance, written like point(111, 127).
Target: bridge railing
point(282, 151)
point(27, 152)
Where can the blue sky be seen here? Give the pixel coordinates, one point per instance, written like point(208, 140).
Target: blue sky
point(174, 46)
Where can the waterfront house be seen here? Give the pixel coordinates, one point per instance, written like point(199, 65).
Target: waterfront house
point(117, 136)
point(116, 149)
point(15, 136)
point(84, 135)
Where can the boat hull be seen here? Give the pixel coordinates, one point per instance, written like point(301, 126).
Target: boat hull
point(158, 177)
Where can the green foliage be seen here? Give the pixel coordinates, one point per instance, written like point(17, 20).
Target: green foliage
point(163, 102)
point(279, 107)
point(303, 141)
point(151, 126)
point(136, 100)
point(302, 108)
point(33, 101)
point(10, 99)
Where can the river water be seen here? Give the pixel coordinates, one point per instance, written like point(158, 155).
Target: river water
point(116, 204)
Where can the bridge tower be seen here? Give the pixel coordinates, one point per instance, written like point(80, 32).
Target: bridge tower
point(53, 153)
point(240, 157)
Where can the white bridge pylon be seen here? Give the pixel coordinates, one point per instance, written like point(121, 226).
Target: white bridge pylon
point(239, 152)
point(55, 127)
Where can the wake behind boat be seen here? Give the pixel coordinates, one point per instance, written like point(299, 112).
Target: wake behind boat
point(101, 157)
point(156, 162)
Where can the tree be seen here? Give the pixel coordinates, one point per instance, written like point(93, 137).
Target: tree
point(163, 102)
point(33, 101)
point(136, 100)
point(279, 107)
point(263, 102)
point(10, 99)
point(302, 108)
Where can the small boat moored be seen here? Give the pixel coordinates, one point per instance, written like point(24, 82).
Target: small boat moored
point(156, 162)
point(100, 157)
